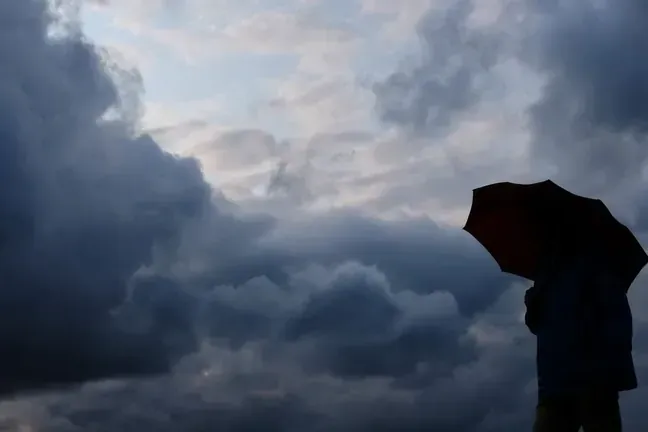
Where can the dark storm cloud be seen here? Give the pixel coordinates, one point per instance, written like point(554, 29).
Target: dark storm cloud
point(117, 260)
point(278, 386)
point(592, 118)
point(83, 204)
point(591, 50)
point(386, 336)
point(416, 255)
point(257, 285)
point(261, 387)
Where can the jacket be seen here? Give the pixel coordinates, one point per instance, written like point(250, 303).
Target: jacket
point(583, 327)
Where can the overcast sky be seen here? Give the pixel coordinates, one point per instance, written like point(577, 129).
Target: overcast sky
point(244, 215)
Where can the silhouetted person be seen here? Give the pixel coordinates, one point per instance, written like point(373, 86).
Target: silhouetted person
point(583, 324)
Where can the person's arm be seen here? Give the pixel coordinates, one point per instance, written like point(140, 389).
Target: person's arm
point(608, 316)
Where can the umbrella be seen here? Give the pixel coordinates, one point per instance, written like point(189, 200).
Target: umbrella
point(514, 222)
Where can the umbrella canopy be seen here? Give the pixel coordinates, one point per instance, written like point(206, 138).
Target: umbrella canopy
point(517, 222)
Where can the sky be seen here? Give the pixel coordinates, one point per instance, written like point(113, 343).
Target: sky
point(246, 215)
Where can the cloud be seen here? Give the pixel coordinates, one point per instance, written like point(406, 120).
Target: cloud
point(170, 308)
point(240, 148)
point(591, 118)
point(80, 213)
point(284, 379)
point(273, 31)
point(428, 98)
point(160, 115)
point(260, 171)
point(401, 18)
point(326, 103)
point(588, 121)
point(357, 384)
point(123, 271)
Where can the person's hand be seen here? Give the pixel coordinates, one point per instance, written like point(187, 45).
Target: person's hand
point(529, 295)
point(532, 315)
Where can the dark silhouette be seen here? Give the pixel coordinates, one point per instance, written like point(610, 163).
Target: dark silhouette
point(583, 262)
point(579, 312)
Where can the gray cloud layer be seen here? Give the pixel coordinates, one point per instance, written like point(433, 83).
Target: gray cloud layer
point(83, 204)
point(428, 98)
point(118, 261)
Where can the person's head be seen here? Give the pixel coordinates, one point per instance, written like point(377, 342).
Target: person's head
point(562, 242)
